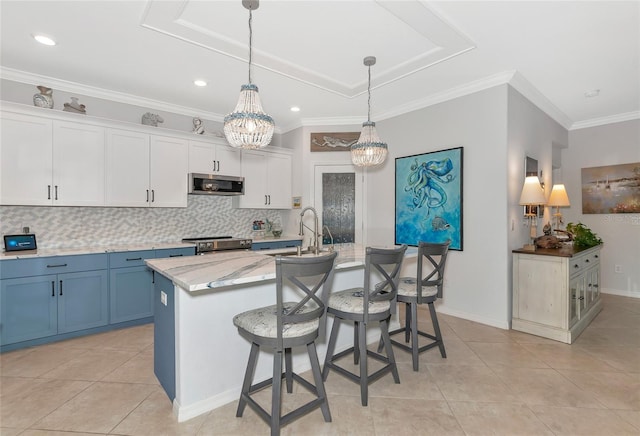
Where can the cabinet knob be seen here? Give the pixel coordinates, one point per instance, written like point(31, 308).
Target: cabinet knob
point(576, 266)
point(586, 260)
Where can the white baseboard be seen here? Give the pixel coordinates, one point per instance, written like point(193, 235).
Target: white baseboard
point(473, 317)
point(632, 294)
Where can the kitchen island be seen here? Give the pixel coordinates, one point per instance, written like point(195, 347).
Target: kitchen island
point(200, 358)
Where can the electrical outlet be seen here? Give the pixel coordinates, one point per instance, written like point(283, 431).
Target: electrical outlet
point(618, 269)
point(163, 297)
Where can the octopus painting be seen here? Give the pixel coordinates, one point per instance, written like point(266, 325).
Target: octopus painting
point(429, 198)
point(424, 180)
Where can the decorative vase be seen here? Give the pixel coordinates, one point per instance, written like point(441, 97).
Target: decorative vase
point(44, 99)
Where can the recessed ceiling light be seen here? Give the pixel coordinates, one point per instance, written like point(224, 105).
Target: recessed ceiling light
point(592, 93)
point(200, 83)
point(295, 109)
point(42, 39)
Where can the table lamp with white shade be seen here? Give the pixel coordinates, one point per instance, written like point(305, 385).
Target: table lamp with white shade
point(532, 195)
point(558, 198)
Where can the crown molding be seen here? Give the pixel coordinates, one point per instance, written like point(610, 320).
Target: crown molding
point(92, 91)
point(450, 94)
point(594, 122)
point(524, 87)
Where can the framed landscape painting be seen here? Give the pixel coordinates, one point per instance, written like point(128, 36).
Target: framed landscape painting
point(429, 198)
point(611, 189)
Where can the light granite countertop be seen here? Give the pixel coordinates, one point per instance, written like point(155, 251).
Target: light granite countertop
point(47, 252)
point(221, 269)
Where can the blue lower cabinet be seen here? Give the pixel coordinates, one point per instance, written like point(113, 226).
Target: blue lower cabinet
point(28, 308)
point(44, 299)
point(83, 301)
point(130, 286)
point(131, 293)
point(131, 282)
point(41, 306)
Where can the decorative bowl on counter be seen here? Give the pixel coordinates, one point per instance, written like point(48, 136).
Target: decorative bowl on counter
point(276, 233)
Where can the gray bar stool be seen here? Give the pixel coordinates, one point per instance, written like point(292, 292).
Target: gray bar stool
point(284, 325)
point(370, 303)
point(425, 288)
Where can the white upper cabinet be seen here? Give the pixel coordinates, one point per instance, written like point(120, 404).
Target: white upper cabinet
point(213, 158)
point(78, 164)
point(146, 170)
point(49, 162)
point(127, 166)
point(168, 166)
point(26, 160)
point(267, 180)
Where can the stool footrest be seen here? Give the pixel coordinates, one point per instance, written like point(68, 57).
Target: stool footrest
point(302, 410)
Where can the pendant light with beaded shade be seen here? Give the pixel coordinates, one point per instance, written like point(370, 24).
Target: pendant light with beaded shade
point(369, 150)
point(248, 126)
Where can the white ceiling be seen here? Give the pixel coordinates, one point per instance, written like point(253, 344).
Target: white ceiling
point(309, 54)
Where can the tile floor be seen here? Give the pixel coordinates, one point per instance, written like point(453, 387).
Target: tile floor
point(493, 382)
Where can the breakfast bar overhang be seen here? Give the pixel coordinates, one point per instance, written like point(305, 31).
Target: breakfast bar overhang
point(199, 357)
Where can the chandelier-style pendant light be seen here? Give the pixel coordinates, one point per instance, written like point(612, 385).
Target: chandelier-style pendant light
point(369, 150)
point(248, 126)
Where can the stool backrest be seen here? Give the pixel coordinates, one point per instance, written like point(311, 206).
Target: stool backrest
point(309, 277)
point(431, 273)
point(385, 262)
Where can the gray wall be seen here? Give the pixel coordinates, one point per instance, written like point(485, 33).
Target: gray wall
point(611, 144)
point(476, 284)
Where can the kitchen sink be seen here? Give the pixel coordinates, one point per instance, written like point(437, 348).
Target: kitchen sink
point(294, 252)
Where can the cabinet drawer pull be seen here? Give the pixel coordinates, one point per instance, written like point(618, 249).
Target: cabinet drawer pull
point(56, 193)
point(48, 192)
point(147, 195)
point(61, 287)
point(586, 261)
point(130, 259)
point(576, 266)
point(595, 286)
point(153, 195)
point(581, 298)
point(176, 255)
point(596, 256)
point(53, 290)
point(57, 266)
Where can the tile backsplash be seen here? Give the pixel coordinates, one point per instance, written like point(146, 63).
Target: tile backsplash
point(61, 227)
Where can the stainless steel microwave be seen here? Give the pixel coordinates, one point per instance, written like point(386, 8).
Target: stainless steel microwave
point(214, 184)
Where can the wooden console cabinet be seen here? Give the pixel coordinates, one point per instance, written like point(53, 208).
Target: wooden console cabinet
point(556, 292)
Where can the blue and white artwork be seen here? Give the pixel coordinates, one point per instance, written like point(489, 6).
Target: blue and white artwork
point(429, 198)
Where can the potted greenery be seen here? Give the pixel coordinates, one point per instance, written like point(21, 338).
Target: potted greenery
point(583, 236)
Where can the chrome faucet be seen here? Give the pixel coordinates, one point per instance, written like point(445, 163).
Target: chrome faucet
point(314, 246)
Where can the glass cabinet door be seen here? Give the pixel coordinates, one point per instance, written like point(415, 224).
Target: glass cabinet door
point(574, 293)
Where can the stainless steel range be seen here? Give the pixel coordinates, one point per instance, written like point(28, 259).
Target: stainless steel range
point(219, 243)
